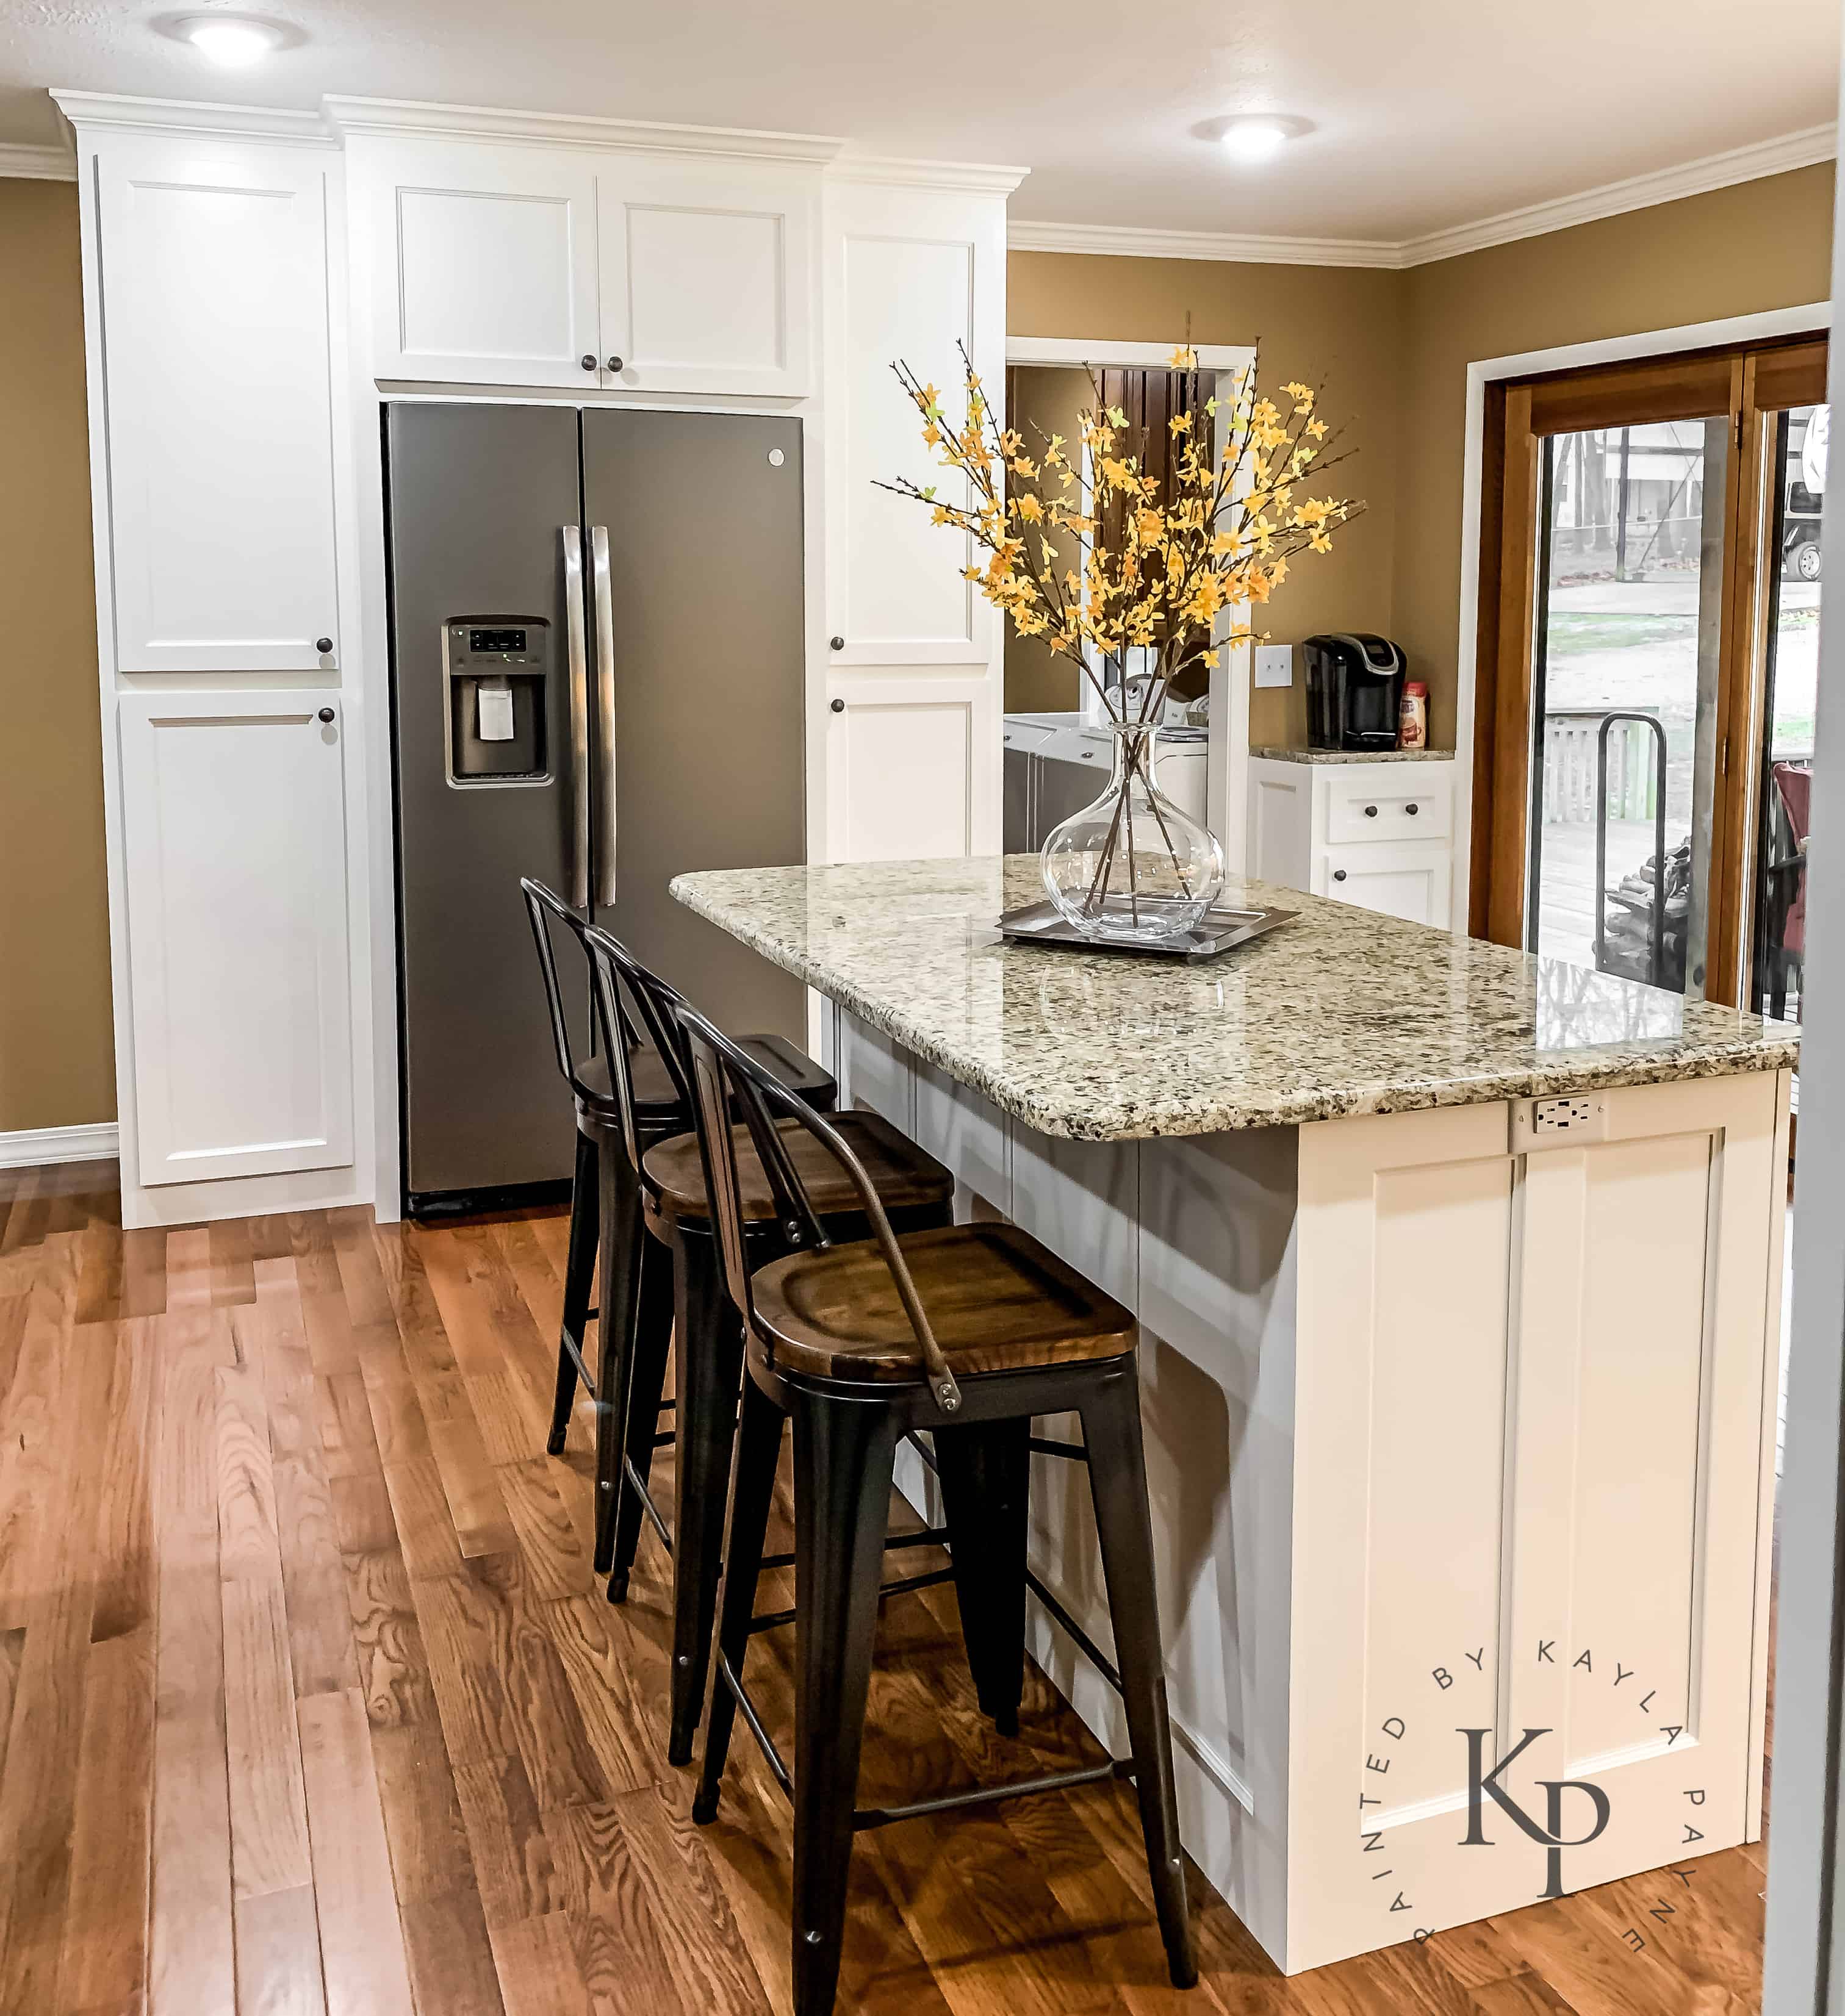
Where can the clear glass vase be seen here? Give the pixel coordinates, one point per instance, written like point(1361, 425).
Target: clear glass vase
point(1132, 866)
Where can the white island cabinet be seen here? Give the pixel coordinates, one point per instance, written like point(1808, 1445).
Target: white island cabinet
point(1455, 1417)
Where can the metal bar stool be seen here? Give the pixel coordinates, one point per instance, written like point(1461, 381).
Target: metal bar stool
point(968, 1330)
point(605, 1198)
point(913, 1188)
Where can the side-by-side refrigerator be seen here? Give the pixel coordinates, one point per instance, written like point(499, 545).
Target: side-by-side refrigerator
point(597, 623)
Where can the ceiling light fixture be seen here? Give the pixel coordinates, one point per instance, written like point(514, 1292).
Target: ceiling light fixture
point(1251, 138)
point(232, 42)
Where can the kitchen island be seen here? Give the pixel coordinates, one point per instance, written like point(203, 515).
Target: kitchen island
point(1459, 1403)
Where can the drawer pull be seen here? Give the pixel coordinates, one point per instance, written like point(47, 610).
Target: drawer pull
point(1338, 875)
point(1371, 811)
point(1410, 810)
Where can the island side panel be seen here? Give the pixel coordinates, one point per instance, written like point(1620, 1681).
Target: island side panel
point(1529, 1461)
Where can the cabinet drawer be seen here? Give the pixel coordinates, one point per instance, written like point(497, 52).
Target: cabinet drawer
point(1396, 801)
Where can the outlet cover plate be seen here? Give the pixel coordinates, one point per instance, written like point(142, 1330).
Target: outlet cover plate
point(1274, 664)
point(1566, 1121)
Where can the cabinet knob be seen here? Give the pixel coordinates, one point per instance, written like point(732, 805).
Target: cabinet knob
point(1410, 810)
point(615, 364)
point(1338, 875)
point(323, 644)
point(839, 706)
point(1371, 811)
point(837, 643)
point(589, 361)
point(325, 715)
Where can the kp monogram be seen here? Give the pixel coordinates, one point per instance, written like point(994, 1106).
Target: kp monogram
point(1482, 1784)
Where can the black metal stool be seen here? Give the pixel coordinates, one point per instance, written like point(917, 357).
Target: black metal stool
point(967, 1330)
point(708, 1340)
point(605, 1197)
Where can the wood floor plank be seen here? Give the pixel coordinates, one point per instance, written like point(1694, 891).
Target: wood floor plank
point(144, 1272)
point(476, 1508)
point(451, 1960)
point(557, 1559)
point(30, 1479)
point(512, 1854)
point(232, 1281)
point(628, 1735)
point(538, 1974)
point(620, 1955)
point(279, 1954)
point(106, 1928)
point(393, 1661)
point(366, 1966)
point(268, 1804)
point(342, 1413)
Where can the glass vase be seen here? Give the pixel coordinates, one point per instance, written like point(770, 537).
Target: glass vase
point(1132, 866)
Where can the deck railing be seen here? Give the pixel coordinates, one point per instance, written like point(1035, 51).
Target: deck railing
point(1569, 768)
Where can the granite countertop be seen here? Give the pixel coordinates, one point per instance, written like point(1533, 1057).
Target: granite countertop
point(1340, 1011)
point(1355, 755)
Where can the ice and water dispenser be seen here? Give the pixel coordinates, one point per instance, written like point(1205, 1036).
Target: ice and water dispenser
point(494, 669)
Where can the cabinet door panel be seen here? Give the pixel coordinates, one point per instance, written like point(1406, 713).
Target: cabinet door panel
point(233, 840)
point(484, 263)
point(907, 773)
point(707, 278)
point(220, 443)
point(1411, 882)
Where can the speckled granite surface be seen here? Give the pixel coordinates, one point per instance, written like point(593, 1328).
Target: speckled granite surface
point(1340, 1011)
point(1355, 755)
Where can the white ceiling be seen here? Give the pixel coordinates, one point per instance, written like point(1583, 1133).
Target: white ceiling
point(1428, 113)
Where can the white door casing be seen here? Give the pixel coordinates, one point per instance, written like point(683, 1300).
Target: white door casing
point(233, 824)
point(220, 446)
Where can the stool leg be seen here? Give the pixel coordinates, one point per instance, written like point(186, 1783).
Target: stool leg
point(621, 1241)
point(579, 1270)
point(985, 1476)
point(752, 1492)
point(1118, 1483)
point(710, 1369)
point(844, 1451)
point(636, 1407)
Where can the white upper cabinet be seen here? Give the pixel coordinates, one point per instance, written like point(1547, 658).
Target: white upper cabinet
point(214, 272)
point(497, 263)
point(483, 262)
point(706, 276)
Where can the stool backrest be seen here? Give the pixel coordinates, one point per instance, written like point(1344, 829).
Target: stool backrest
point(725, 1079)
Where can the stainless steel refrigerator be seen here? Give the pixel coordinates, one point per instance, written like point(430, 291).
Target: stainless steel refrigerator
point(597, 677)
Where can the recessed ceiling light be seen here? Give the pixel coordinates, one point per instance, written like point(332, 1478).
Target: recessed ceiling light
point(232, 42)
point(1252, 137)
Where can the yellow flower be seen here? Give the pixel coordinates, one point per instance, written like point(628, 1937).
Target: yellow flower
point(1316, 428)
point(1185, 358)
point(1029, 508)
point(932, 436)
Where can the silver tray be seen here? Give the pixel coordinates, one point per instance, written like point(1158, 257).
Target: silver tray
point(1222, 930)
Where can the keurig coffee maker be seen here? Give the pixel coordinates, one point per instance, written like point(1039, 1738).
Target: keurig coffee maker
point(1354, 691)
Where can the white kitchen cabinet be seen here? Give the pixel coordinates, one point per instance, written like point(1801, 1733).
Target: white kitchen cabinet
point(234, 853)
point(1378, 834)
point(707, 276)
point(912, 766)
point(483, 261)
point(220, 449)
point(505, 265)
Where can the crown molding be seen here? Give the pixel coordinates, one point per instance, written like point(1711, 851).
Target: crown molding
point(395, 118)
point(38, 164)
point(1803, 149)
point(1136, 242)
point(890, 170)
point(183, 117)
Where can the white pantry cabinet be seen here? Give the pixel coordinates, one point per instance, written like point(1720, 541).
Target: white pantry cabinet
point(213, 261)
point(234, 848)
point(497, 263)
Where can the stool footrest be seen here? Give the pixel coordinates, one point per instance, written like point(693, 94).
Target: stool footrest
point(1085, 1644)
point(576, 1358)
point(924, 1536)
point(764, 1742)
point(664, 1441)
point(773, 1620)
point(646, 1502)
point(1070, 1452)
point(867, 1817)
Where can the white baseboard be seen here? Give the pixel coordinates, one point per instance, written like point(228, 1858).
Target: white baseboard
point(27, 1147)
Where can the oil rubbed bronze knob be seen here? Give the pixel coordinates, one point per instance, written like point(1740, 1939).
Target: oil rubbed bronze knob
point(615, 364)
point(839, 706)
point(1338, 875)
point(837, 643)
point(1410, 810)
point(1371, 811)
point(323, 644)
point(589, 361)
point(326, 715)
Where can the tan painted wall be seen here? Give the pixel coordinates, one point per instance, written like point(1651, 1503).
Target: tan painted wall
point(1050, 401)
point(1765, 244)
point(56, 1052)
point(1340, 326)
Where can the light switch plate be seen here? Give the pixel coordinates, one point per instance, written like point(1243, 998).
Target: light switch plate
point(1274, 664)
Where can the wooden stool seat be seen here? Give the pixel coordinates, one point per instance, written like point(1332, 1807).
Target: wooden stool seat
point(997, 1301)
point(904, 1178)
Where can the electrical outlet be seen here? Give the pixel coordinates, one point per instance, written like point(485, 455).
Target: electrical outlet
point(1274, 664)
point(1557, 1123)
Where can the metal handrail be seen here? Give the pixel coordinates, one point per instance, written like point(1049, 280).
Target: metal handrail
point(1656, 959)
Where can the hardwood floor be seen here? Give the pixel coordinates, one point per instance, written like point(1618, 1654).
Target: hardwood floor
point(309, 1704)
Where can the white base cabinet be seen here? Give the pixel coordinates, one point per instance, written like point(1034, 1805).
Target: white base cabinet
point(1440, 1435)
point(1380, 835)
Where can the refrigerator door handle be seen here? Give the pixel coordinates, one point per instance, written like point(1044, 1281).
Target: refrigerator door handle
point(605, 715)
point(579, 718)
